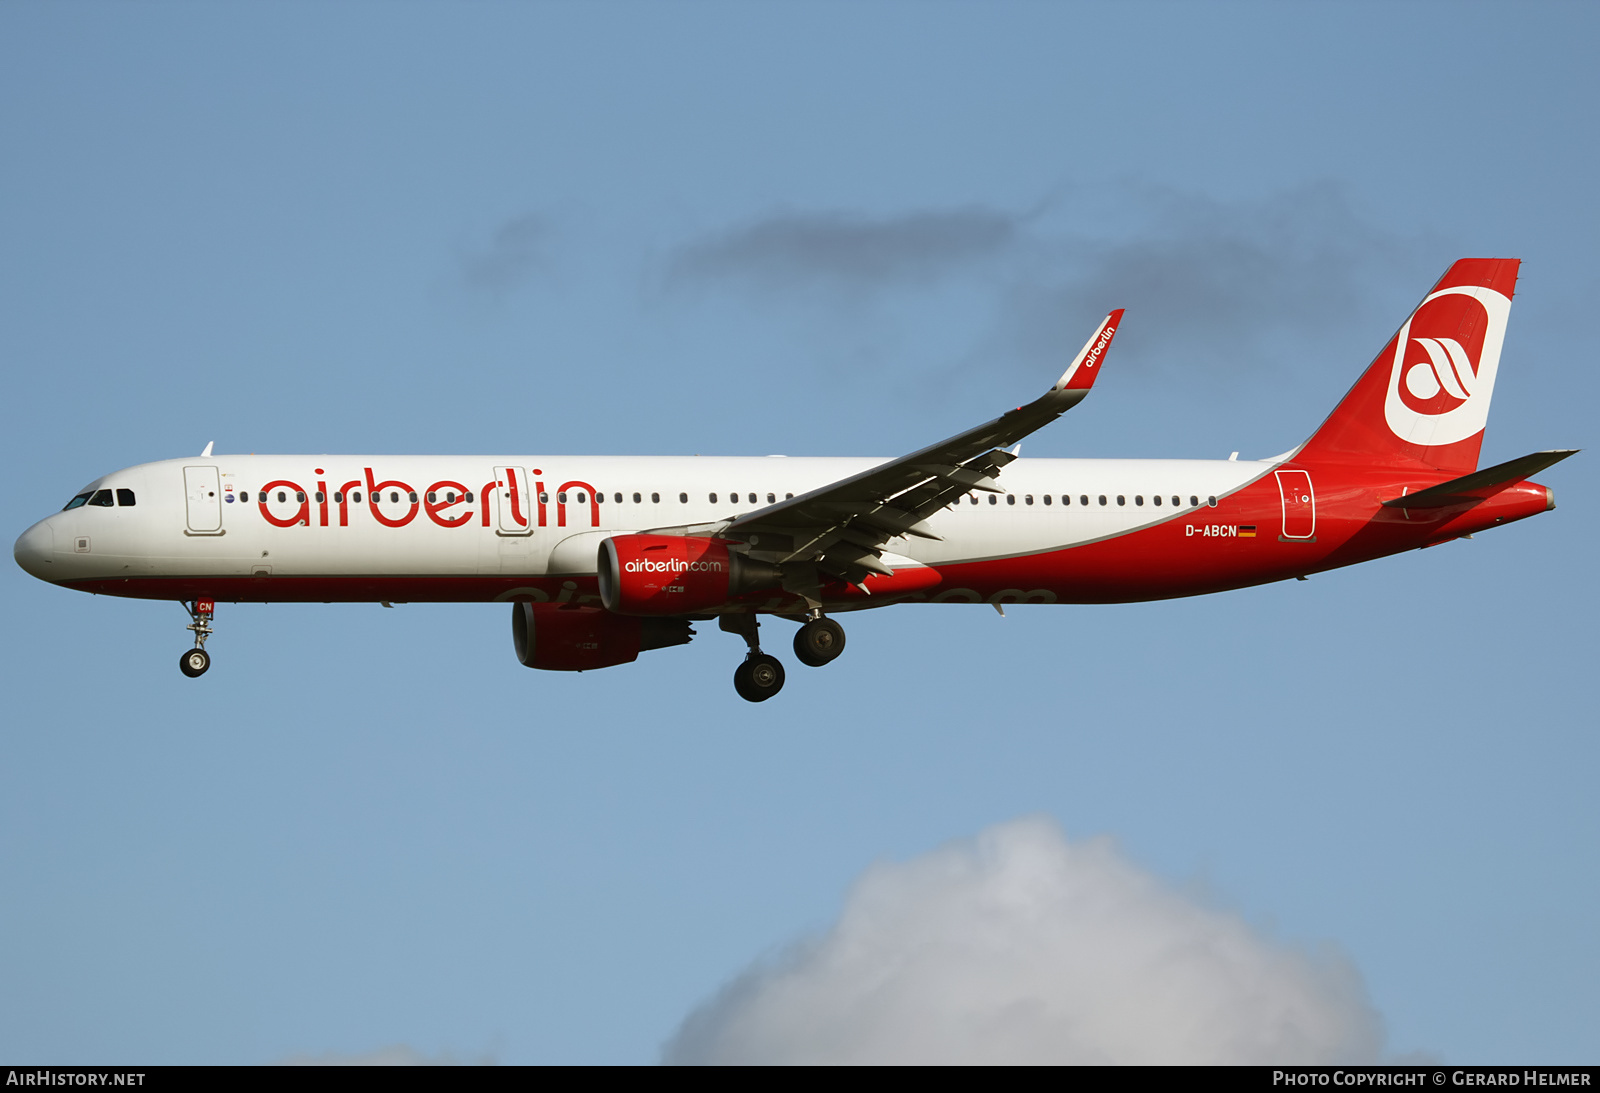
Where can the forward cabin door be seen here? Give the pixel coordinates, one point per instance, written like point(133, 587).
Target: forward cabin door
point(515, 503)
point(1299, 506)
point(203, 492)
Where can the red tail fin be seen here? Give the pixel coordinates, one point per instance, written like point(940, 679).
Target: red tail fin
point(1426, 398)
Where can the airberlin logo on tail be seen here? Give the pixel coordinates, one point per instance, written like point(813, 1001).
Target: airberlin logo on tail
point(1445, 360)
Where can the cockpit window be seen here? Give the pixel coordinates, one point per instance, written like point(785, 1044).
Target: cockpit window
point(78, 501)
point(125, 498)
point(102, 498)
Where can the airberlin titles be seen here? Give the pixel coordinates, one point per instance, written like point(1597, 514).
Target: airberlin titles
point(441, 502)
point(1093, 357)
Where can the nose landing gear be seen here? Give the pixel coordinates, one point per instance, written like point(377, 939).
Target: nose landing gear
point(761, 675)
point(194, 662)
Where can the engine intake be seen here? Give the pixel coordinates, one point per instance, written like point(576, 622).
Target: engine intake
point(676, 574)
point(567, 638)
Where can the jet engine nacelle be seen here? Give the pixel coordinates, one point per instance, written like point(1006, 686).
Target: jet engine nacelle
point(567, 638)
point(676, 574)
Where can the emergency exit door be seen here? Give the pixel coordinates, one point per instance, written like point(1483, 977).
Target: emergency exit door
point(1299, 505)
point(514, 501)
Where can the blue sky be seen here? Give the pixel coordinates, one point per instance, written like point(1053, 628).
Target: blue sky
point(810, 229)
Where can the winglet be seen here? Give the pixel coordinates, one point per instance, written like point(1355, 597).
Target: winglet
point(1080, 375)
point(207, 453)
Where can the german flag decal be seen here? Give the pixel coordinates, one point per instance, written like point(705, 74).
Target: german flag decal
point(1247, 531)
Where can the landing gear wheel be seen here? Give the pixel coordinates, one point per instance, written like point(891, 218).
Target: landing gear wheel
point(758, 678)
point(818, 642)
point(194, 663)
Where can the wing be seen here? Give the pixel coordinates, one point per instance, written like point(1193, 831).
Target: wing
point(840, 529)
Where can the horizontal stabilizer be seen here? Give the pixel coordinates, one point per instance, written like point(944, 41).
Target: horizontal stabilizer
point(1480, 485)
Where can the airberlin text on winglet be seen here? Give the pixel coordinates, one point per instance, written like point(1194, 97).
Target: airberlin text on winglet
point(1081, 375)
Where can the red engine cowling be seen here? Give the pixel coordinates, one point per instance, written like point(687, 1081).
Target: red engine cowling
point(565, 638)
point(675, 574)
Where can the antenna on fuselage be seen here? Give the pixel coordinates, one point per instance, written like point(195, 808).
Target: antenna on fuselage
point(207, 453)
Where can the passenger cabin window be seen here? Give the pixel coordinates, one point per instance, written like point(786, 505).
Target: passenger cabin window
point(355, 495)
point(635, 499)
point(299, 496)
point(125, 498)
point(1138, 499)
point(993, 500)
point(412, 497)
point(752, 499)
point(1157, 500)
point(319, 497)
point(1212, 501)
point(581, 498)
point(282, 496)
point(1193, 500)
point(1046, 499)
point(683, 499)
point(1102, 498)
point(713, 499)
point(1083, 499)
point(1176, 501)
point(788, 497)
point(655, 499)
point(772, 499)
point(1011, 499)
point(617, 497)
point(1027, 499)
point(1121, 500)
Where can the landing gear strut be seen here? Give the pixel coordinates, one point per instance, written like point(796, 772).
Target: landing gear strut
point(819, 641)
point(195, 661)
point(761, 675)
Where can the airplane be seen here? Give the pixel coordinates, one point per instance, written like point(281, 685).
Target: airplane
point(604, 558)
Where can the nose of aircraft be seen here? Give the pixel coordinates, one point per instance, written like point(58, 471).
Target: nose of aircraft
point(35, 550)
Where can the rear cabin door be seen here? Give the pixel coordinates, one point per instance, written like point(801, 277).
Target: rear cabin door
point(1299, 505)
point(514, 501)
point(203, 492)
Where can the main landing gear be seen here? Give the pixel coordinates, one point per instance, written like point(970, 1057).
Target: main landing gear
point(761, 675)
point(818, 641)
point(195, 661)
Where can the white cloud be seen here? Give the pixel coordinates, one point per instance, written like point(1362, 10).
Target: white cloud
point(1021, 947)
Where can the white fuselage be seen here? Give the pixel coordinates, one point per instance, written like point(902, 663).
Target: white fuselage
point(564, 506)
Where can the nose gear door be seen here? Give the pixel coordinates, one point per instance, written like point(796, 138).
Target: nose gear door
point(203, 492)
